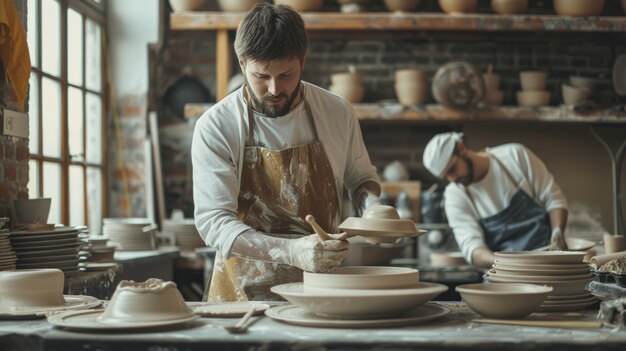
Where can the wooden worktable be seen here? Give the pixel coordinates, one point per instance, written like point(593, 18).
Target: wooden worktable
point(454, 331)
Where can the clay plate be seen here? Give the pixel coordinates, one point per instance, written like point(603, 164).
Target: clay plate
point(380, 230)
point(539, 257)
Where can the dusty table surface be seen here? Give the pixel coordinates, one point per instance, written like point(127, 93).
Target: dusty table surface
point(454, 331)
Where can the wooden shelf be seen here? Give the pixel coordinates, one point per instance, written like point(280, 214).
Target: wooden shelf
point(386, 21)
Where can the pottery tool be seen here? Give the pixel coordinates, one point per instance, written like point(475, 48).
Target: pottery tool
point(548, 324)
point(229, 309)
point(321, 232)
point(243, 324)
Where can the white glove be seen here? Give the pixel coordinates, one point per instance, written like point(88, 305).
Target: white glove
point(558, 239)
point(314, 255)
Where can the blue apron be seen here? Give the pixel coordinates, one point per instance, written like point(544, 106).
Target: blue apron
point(523, 225)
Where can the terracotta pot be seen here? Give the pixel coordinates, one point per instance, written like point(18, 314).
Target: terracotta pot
point(572, 94)
point(302, 5)
point(578, 8)
point(402, 5)
point(533, 80)
point(458, 6)
point(186, 5)
point(237, 5)
point(509, 7)
point(533, 97)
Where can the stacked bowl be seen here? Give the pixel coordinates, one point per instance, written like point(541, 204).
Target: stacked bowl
point(533, 91)
point(360, 292)
point(130, 234)
point(185, 233)
point(578, 90)
point(564, 271)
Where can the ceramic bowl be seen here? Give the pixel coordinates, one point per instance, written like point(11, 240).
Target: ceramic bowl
point(302, 5)
point(504, 300)
point(533, 80)
point(31, 288)
point(406, 75)
point(238, 5)
point(346, 78)
point(150, 301)
point(573, 95)
point(509, 7)
point(533, 98)
point(411, 93)
point(493, 97)
point(186, 5)
point(363, 277)
point(352, 93)
point(402, 5)
point(358, 303)
point(583, 82)
point(578, 8)
point(32, 211)
point(458, 6)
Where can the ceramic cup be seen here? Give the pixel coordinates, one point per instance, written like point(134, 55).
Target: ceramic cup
point(32, 211)
point(613, 243)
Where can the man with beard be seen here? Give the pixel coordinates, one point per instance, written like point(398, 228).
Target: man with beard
point(267, 155)
point(499, 199)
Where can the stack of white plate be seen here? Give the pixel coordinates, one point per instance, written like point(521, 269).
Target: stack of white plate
point(7, 255)
point(54, 248)
point(563, 270)
point(185, 233)
point(358, 295)
point(130, 234)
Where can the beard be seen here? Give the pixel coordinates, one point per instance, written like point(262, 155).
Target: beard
point(261, 105)
point(469, 178)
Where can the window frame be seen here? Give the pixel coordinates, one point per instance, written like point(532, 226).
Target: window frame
point(89, 10)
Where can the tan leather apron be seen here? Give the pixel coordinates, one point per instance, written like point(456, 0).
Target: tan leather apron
point(278, 189)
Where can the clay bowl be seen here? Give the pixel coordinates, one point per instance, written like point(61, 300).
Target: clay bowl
point(533, 80)
point(504, 300)
point(493, 97)
point(346, 78)
point(458, 6)
point(533, 98)
point(411, 93)
point(578, 8)
point(358, 303)
point(237, 5)
point(573, 95)
point(363, 277)
point(402, 5)
point(583, 82)
point(186, 5)
point(31, 288)
point(302, 5)
point(32, 211)
point(352, 93)
point(410, 75)
point(509, 7)
point(151, 301)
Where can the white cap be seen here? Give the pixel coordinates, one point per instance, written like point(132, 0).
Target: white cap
point(438, 152)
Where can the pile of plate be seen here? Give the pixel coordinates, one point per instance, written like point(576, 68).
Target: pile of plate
point(359, 297)
point(53, 248)
point(185, 233)
point(565, 271)
point(130, 234)
point(7, 255)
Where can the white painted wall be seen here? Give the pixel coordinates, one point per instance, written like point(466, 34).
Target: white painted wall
point(132, 26)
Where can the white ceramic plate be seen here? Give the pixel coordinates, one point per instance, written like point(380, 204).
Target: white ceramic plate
point(229, 309)
point(584, 300)
point(521, 271)
point(539, 277)
point(358, 303)
point(296, 315)
point(88, 321)
point(540, 267)
point(42, 237)
point(540, 257)
point(565, 287)
point(569, 297)
point(363, 277)
point(619, 75)
point(72, 302)
point(98, 266)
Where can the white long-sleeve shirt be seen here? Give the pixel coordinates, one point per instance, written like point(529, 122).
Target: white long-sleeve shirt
point(221, 133)
point(493, 193)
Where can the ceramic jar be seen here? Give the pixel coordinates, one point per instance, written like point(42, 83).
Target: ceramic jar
point(237, 5)
point(349, 85)
point(411, 86)
point(458, 6)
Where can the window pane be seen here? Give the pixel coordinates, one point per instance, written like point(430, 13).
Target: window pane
point(52, 189)
point(33, 179)
point(77, 196)
point(51, 104)
point(94, 129)
point(50, 37)
point(74, 47)
point(75, 123)
point(93, 56)
point(94, 199)
point(33, 114)
point(31, 32)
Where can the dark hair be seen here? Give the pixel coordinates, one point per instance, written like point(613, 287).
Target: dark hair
point(270, 32)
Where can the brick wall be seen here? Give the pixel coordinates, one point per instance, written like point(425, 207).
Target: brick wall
point(13, 151)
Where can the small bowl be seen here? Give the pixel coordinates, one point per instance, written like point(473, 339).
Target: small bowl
point(346, 78)
point(402, 5)
point(533, 80)
point(363, 277)
point(533, 98)
point(238, 5)
point(509, 7)
point(458, 6)
point(583, 82)
point(32, 211)
point(573, 95)
point(302, 5)
point(150, 301)
point(447, 259)
point(578, 8)
point(504, 300)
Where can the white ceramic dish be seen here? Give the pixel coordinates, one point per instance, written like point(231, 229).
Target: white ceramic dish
point(92, 320)
point(531, 272)
point(296, 315)
point(495, 300)
point(544, 277)
point(382, 230)
point(565, 287)
point(540, 267)
point(363, 277)
point(72, 302)
point(358, 304)
point(540, 257)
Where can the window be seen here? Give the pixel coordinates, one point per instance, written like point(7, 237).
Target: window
point(67, 110)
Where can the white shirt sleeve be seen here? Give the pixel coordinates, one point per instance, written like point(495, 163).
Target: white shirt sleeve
point(463, 220)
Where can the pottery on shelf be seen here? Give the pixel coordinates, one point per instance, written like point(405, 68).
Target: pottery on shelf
point(411, 86)
point(533, 98)
point(186, 5)
point(509, 7)
point(578, 8)
point(458, 85)
point(237, 5)
point(458, 6)
point(402, 5)
point(302, 5)
point(533, 80)
point(573, 95)
point(32, 211)
point(348, 85)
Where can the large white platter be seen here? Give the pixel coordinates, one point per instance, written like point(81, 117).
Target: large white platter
point(90, 320)
point(539, 257)
point(72, 302)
